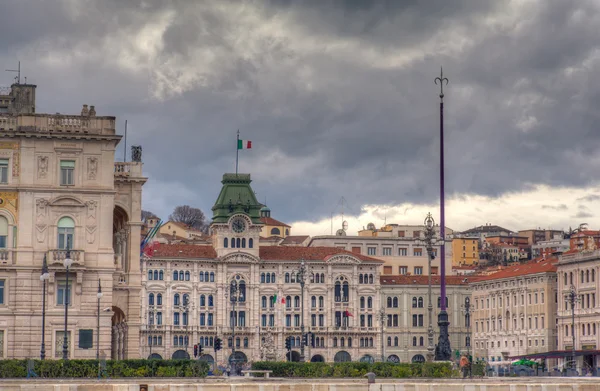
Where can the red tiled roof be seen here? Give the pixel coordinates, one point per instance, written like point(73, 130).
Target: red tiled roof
point(289, 253)
point(183, 251)
point(423, 280)
point(465, 267)
point(548, 265)
point(272, 221)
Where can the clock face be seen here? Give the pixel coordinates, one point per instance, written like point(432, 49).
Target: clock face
point(238, 225)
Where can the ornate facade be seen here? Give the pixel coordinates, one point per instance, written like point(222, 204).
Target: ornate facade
point(187, 296)
point(60, 189)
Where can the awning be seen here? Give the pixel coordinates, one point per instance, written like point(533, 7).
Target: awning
point(557, 354)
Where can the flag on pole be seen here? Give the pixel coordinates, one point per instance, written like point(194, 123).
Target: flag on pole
point(283, 300)
point(244, 144)
point(275, 299)
point(347, 313)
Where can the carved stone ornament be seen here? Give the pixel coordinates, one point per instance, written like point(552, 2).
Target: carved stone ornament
point(136, 153)
point(91, 225)
point(92, 168)
point(239, 258)
point(268, 351)
point(41, 224)
point(42, 167)
point(343, 259)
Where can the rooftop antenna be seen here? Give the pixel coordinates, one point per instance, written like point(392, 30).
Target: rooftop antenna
point(18, 70)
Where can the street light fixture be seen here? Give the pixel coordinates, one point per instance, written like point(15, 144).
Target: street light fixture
point(467, 311)
point(234, 295)
point(302, 274)
point(430, 241)
point(67, 262)
point(99, 296)
point(45, 276)
point(382, 317)
point(572, 297)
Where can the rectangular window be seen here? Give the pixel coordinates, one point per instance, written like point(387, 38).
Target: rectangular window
point(202, 319)
point(418, 270)
point(264, 320)
point(67, 168)
point(1, 293)
point(313, 320)
point(58, 344)
point(387, 251)
point(63, 293)
point(176, 318)
point(272, 320)
point(420, 320)
point(403, 269)
point(210, 319)
point(400, 234)
point(402, 252)
point(296, 320)
point(288, 321)
point(416, 234)
point(417, 252)
point(387, 270)
point(434, 270)
point(3, 170)
point(371, 250)
point(415, 318)
point(356, 250)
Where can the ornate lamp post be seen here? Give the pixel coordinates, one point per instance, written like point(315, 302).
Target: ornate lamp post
point(430, 242)
point(572, 297)
point(382, 316)
point(99, 296)
point(235, 295)
point(467, 311)
point(302, 274)
point(44, 277)
point(443, 351)
point(67, 263)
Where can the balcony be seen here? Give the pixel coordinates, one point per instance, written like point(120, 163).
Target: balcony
point(58, 256)
point(6, 257)
point(128, 169)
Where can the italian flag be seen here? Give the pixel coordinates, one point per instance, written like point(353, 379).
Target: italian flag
point(244, 144)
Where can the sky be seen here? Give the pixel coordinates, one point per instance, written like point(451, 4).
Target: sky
point(339, 101)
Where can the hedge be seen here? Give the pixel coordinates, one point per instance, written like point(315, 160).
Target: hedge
point(114, 368)
point(355, 369)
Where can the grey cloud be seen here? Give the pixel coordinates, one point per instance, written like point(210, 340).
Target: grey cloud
point(362, 124)
point(583, 215)
point(555, 207)
point(589, 198)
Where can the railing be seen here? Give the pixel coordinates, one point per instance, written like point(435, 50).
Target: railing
point(581, 256)
point(59, 255)
point(128, 169)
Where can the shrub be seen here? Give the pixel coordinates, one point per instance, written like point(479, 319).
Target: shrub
point(354, 369)
point(114, 368)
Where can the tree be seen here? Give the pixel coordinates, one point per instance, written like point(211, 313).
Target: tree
point(146, 214)
point(191, 217)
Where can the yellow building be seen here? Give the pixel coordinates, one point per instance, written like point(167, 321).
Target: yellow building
point(272, 227)
point(465, 251)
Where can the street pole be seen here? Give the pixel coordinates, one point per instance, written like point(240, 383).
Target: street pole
point(67, 263)
point(301, 276)
point(44, 277)
point(382, 317)
point(429, 238)
point(99, 296)
point(468, 324)
point(443, 350)
point(573, 300)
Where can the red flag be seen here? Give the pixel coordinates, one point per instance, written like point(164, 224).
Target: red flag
point(347, 313)
point(149, 249)
point(283, 300)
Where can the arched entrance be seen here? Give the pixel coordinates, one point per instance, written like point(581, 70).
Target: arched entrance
point(238, 357)
point(342, 356)
point(367, 358)
point(418, 358)
point(120, 239)
point(317, 358)
point(393, 359)
point(180, 355)
point(208, 358)
point(293, 356)
point(119, 334)
point(155, 356)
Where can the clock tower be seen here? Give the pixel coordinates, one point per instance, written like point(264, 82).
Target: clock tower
point(236, 221)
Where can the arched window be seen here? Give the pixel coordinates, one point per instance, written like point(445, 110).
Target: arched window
point(264, 302)
point(420, 302)
point(287, 277)
point(225, 242)
point(566, 280)
point(414, 302)
point(349, 342)
point(149, 274)
point(66, 232)
point(342, 342)
point(338, 291)
point(389, 341)
point(313, 301)
point(206, 276)
point(201, 277)
point(187, 276)
point(345, 291)
point(395, 341)
point(159, 299)
point(161, 275)
point(243, 242)
point(186, 299)
point(288, 301)
point(467, 341)
point(587, 276)
point(151, 299)
point(414, 341)
point(370, 279)
point(297, 301)
point(335, 342)
point(268, 278)
point(202, 300)
point(395, 302)
point(273, 278)
point(321, 301)
point(420, 341)
point(232, 242)
point(212, 276)
point(262, 278)
point(360, 279)
point(582, 278)
point(156, 274)
point(369, 302)
point(238, 243)
point(389, 302)
point(275, 231)
point(242, 288)
point(250, 243)
point(175, 276)
point(362, 302)
point(210, 301)
point(176, 299)
point(181, 275)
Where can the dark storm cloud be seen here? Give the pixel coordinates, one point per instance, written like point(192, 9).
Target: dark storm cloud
point(337, 96)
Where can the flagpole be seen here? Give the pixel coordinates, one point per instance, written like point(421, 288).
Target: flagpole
point(237, 152)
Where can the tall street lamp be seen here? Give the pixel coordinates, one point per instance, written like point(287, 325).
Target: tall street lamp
point(235, 295)
point(44, 277)
point(67, 263)
point(301, 277)
point(430, 242)
point(99, 296)
point(572, 297)
point(467, 311)
point(443, 350)
point(382, 317)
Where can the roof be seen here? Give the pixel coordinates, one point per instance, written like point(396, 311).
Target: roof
point(236, 196)
point(290, 253)
point(486, 228)
point(465, 267)
point(422, 280)
point(533, 267)
point(272, 221)
point(183, 251)
point(298, 239)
